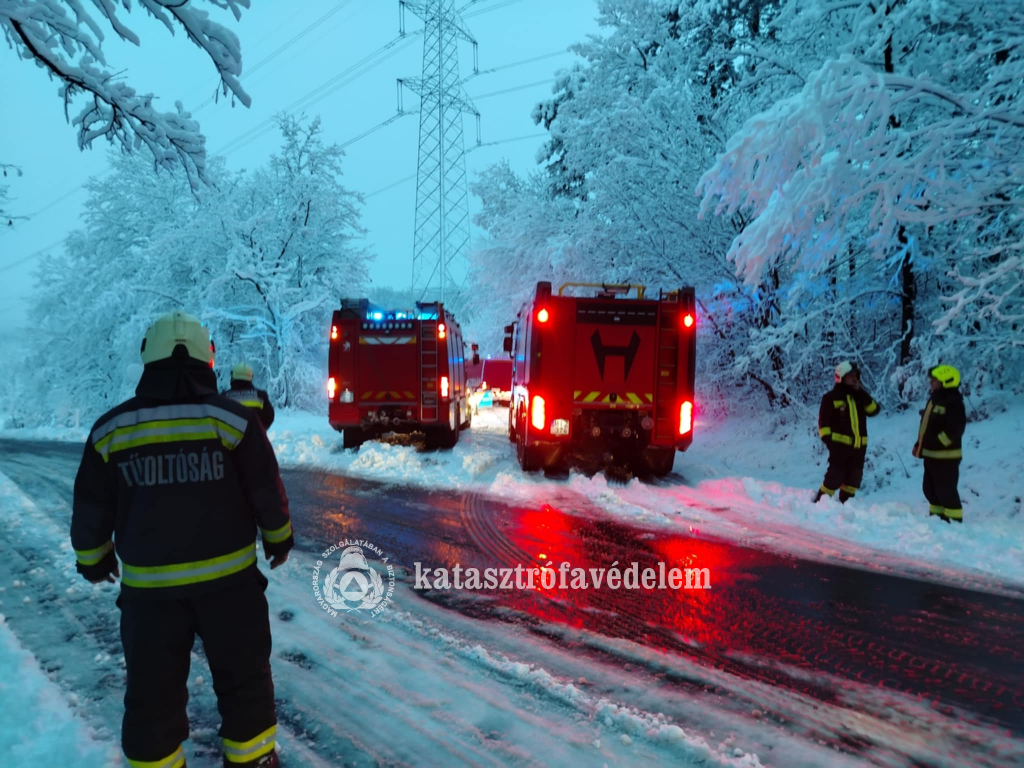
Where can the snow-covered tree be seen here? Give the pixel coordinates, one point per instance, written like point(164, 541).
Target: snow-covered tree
point(891, 176)
point(7, 217)
point(290, 255)
point(65, 38)
point(263, 258)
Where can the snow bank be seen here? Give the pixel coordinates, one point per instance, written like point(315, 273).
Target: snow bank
point(744, 479)
point(306, 440)
point(39, 726)
point(749, 481)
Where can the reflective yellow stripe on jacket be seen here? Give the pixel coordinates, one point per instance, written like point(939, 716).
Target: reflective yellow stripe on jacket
point(180, 574)
point(252, 403)
point(168, 424)
point(953, 453)
point(93, 556)
point(854, 422)
point(279, 535)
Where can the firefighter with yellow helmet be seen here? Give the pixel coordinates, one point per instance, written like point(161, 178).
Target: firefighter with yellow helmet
point(175, 482)
point(939, 443)
point(242, 390)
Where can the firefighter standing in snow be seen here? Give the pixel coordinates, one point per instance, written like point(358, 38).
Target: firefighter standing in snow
point(176, 480)
point(243, 391)
point(843, 427)
point(939, 443)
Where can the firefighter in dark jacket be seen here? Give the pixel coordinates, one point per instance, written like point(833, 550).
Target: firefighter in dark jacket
point(175, 482)
point(243, 391)
point(939, 443)
point(843, 427)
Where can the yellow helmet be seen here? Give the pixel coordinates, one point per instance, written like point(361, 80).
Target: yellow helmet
point(947, 375)
point(177, 328)
point(241, 372)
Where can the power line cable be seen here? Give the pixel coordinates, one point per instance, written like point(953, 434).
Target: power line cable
point(282, 48)
point(23, 259)
point(315, 96)
point(483, 96)
point(410, 177)
point(331, 85)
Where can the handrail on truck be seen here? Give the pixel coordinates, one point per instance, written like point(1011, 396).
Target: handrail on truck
point(624, 287)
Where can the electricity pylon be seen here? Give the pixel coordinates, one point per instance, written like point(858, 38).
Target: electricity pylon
point(442, 194)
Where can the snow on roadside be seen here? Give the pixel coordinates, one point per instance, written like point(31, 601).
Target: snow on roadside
point(39, 725)
point(751, 482)
point(744, 479)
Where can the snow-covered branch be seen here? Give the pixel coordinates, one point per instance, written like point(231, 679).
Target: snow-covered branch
point(66, 40)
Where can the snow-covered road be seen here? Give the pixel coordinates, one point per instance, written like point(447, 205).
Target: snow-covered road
point(794, 662)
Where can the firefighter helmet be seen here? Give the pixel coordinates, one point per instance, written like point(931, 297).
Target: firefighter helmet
point(947, 375)
point(178, 328)
point(241, 372)
point(844, 368)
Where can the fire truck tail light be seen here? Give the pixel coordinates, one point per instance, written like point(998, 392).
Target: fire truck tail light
point(334, 332)
point(688, 320)
point(441, 331)
point(332, 387)
point(543, 316)
point(537, 417)
point(685, 418)
point(444, 386)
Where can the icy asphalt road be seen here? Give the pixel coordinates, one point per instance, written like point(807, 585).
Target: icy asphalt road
point(798, 662)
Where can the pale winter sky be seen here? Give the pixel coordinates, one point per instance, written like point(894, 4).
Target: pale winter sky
point(35, 135)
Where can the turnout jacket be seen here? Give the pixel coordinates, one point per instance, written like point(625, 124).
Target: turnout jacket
point(245, 393)
point(842, 417)
point(177, 480)
point(942, 426)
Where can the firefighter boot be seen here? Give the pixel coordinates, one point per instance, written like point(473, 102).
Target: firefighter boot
point(267, 761)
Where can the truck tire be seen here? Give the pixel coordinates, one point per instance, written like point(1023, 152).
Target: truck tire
point(445, 436)
point(658, 461)
point(511, 426)
point(352, 437)
point(469, 419)
point(528, 457)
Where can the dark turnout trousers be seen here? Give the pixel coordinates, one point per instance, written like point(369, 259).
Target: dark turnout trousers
point(234, 625)
point(845, 471)
point(941, 477)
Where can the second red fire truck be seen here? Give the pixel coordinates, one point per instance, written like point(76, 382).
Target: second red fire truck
point(603, 376)
point(396, 371)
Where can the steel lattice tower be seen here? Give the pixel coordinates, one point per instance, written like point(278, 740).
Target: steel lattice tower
point(442, 194)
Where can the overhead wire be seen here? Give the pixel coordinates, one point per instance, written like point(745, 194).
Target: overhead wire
point(281, 48)
point(502, 92)
point(323, 91)
point(475, 147)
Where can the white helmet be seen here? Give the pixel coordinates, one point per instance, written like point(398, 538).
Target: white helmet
point(845, 368)
point(241, 372)
point(177, 328)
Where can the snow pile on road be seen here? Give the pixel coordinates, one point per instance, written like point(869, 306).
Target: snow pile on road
point(304, 439)
point(39, 726)
point(744, 479)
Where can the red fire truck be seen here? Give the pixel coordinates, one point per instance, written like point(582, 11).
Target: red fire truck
point(603, 376)
point(396, 371)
